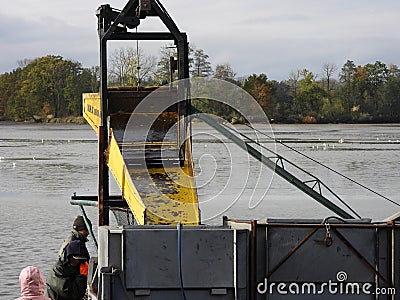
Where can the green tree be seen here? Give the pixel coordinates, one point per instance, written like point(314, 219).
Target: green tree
point(309, 99)
point(200, 65)
point(92, 76)
point(391, 104)
point(78, 82)
point(48, 85)
point(163, 74)
point(347, 88)
point(377, 77)
point(333, 111)
point(293, 82)
point(284, 102)
point(9, 84)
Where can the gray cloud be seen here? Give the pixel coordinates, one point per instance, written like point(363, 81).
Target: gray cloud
point(253, 36)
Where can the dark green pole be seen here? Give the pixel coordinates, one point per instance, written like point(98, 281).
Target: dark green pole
point(277, 169)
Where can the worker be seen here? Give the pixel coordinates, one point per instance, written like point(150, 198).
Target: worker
point(32, 284)
point(67, 280)
point(79, 232)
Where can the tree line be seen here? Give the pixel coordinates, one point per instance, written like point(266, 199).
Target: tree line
point(52, 86)
point(46, 87)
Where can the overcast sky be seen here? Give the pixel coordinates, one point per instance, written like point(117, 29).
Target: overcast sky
point(254, 36)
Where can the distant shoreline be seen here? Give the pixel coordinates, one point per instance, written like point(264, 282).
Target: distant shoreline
point(81, 121)
point(65, 120)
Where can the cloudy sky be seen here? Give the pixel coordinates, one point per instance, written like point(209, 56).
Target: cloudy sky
point(254, 36)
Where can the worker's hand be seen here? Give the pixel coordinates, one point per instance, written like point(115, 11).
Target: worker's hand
point(84, 268)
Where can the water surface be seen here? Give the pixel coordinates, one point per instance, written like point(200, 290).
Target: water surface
point(41, 166)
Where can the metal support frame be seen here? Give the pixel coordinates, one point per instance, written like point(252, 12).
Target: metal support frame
point(113, 25)
point(362, 258)
point(353, 249)
point(90, 229)
point(114, 201)
point(81, 201)
point(292, 251)
point(275, 167)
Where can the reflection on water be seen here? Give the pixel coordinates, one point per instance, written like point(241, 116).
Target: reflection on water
point(41, 166)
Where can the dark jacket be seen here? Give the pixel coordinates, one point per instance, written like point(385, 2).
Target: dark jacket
point(75, 235)
point(65, 282)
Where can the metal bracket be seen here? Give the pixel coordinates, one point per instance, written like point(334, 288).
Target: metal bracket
point(110, 270)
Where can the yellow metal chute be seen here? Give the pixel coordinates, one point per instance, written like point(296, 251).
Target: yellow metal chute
point(157, 191)
point(91, 110)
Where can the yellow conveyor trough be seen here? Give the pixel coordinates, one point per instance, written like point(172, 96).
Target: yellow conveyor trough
point(160, 193)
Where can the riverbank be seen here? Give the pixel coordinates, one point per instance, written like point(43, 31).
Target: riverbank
point(79, 120)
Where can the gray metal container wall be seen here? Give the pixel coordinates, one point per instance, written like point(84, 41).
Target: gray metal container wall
point(278, 259)
point(141, 262)
point(290, 260)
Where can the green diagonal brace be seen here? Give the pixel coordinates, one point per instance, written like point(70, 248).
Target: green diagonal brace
point(273, 166)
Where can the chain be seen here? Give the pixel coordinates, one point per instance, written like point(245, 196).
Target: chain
point(328, 239)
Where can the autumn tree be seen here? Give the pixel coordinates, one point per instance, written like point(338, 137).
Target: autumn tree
point(42, 87)
point(259, 87)
point(48, 85)
point(362, 89)
point(52, 85)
